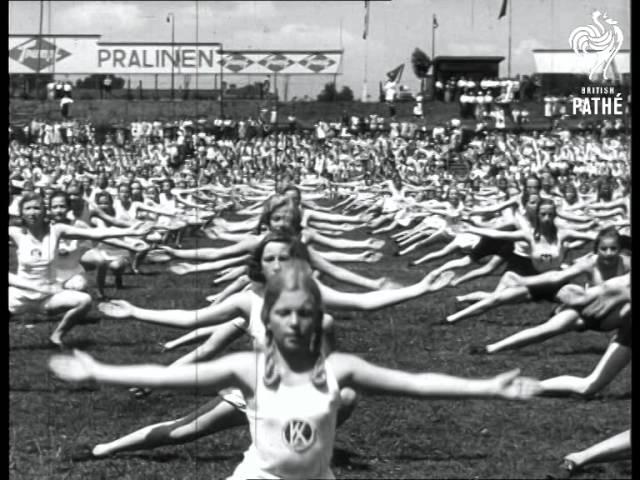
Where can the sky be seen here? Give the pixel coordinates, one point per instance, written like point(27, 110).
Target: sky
point(396, 28)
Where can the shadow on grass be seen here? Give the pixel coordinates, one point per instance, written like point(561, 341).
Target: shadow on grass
point(441, 456)
point(346, 459)
point(583, 351)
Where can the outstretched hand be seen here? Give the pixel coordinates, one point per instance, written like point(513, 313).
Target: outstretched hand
point(436, 280)
point(512, 386)
point(372, 257)
point(77, 367)
point(116, 308)
point(181, 268)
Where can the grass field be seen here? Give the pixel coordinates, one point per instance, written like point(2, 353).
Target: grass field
point(386, 437)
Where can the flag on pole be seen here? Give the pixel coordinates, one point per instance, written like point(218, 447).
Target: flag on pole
point(366, 20)
point(395, 74)
point(435, 21)
point(503, 9)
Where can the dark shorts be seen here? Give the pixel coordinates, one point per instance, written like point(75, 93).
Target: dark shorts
point(623, 337)
point(523, 266)
point(604, 324)
point(625, 242)
point(545, 292)
point(491, 246)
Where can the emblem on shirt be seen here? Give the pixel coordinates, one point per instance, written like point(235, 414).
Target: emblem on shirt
point(36, 253)
point(298, 435)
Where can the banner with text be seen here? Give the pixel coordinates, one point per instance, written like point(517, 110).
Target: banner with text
point(67, 54)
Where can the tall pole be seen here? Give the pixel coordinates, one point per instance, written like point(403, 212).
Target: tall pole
point(39, 44)
point(366, 55)
point(433, 37)
point(221, 84)
point(510, 14)
point(171, 16)
point(55, 50)
point(197, 54)
point(335, 75)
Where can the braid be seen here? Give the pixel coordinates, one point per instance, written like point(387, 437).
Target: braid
point(271, 374)
point(319, 374)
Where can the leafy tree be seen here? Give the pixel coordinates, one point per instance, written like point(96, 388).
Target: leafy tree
point(421, 64)
point(345, 95)
point(329, 93)
point(95, 80)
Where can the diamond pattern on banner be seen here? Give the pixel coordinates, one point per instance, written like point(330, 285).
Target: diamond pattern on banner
point(317, 62)
point(27, 53)
point(236, 62)
point(276, 62)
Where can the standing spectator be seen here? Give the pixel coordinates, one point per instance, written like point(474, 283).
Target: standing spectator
point(439, 91)
point(106, 85)
point(65, 106)
point(66, 90)
point(448, 90)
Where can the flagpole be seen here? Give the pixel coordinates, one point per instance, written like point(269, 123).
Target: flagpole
point(433, 37)
point(510, 13)
point(366, 55)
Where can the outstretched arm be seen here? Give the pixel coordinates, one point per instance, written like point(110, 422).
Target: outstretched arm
point(224, 372)
point(340, 273)
point(234, 306)
point(381, 298)
point(354, 371)
point(245, 246)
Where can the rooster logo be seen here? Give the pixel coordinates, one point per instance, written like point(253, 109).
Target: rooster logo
point(602, 40)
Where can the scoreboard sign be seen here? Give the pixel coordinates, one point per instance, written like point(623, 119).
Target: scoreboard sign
point(85, 54)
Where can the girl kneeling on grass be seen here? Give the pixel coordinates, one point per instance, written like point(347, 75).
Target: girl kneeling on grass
point(290, 386)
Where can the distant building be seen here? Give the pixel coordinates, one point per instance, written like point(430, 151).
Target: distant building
point(561, 72)
point(471, 67)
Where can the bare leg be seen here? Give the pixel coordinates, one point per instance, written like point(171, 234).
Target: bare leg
point(215, 416)
point(220, 338)
point(612, 362)
point(473, 296)
point(446, 250)
point(415, 236)
point(101, 277)
point(450, 265)
point(562, 322)
point(190, 337)
point(439, 235)
point(613, 448)
point(117, 267)
point(508, 280)
point(376, 222)
point(77, 305)
point(506, 295)
point(493, 263)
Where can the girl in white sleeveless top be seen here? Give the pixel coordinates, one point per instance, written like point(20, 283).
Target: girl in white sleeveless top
point(35, 288)
point(270, 257)
point(290, 386)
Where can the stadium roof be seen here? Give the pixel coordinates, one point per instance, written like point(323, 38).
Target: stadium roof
point(567, 61)
point(467, 58)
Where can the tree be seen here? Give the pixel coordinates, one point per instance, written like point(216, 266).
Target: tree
point(329, 93)
point(421, 64)
point(345, 95)
point(95, 80)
